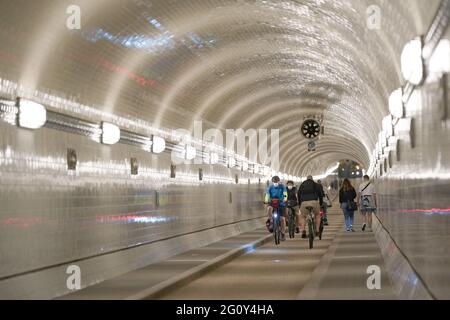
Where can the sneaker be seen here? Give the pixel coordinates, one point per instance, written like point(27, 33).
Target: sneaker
point(364, 227)
point(297, 230)
point(283, 237)
point(325, 223)
point(304, 235)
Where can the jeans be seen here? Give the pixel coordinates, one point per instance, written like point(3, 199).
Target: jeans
point(348, 215)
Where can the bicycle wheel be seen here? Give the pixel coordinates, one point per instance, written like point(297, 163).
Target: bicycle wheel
point(276, 232)
point(321, 229)
point(311, 233)
point(292, 225)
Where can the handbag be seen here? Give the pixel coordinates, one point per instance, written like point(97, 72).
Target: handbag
point(352, 206)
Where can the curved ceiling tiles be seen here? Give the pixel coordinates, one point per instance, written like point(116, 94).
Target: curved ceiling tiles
point(234, 64)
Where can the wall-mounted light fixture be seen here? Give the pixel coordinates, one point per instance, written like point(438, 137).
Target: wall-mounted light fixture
point(440, 60)
point(405, 128)
point(231, 162)
point(396, 105)
point(110, 133)
point(191, 152)
point(213, 158)
point(412, 62)
point(158, 144)
point(389, 159)
point(31, 115)
point(388, 126)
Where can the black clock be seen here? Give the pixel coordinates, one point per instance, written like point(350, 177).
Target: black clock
point(310, 129)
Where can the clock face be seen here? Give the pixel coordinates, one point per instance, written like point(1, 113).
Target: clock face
point(311, 129)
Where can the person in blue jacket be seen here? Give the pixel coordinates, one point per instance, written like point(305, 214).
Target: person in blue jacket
point(277, 191)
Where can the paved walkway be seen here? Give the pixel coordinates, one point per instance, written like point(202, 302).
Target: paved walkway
point(343, 272)
point(250, 266)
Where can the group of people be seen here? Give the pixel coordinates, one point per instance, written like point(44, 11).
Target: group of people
point(309, 194)
point(365, 200)
point(312, 194)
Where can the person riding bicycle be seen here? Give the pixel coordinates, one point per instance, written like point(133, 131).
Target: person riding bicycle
point(277, 191)
point(309, 195)
point(292, 198)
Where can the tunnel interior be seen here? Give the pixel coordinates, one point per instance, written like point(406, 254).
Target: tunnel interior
point(189, 73)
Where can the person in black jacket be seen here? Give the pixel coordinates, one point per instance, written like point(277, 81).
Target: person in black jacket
point(292, 199)
point(347, 196)
point(309, 195)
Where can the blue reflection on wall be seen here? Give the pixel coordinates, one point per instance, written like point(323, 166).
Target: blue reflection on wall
point(150, 44)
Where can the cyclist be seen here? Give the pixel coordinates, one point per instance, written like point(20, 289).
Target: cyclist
point(277, 191)
point(292, 198)
point(309, 195)
point(324, 206)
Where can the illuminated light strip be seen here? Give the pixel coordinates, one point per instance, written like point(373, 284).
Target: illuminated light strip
point(69, 106)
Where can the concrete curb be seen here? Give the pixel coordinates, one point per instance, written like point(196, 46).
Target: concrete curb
point(184, 278)
point(406, 282)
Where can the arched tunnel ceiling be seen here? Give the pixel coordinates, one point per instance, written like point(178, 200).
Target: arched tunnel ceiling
point(234, 64)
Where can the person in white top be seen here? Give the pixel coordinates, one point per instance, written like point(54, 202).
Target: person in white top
point(367, 201)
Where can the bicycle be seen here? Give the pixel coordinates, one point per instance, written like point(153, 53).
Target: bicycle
point(292, 219)
point(322, 223)
point(311, 226)
point(276, 217)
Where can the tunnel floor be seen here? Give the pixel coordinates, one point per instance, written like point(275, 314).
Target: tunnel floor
point(270, 272)
point(335, 269)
